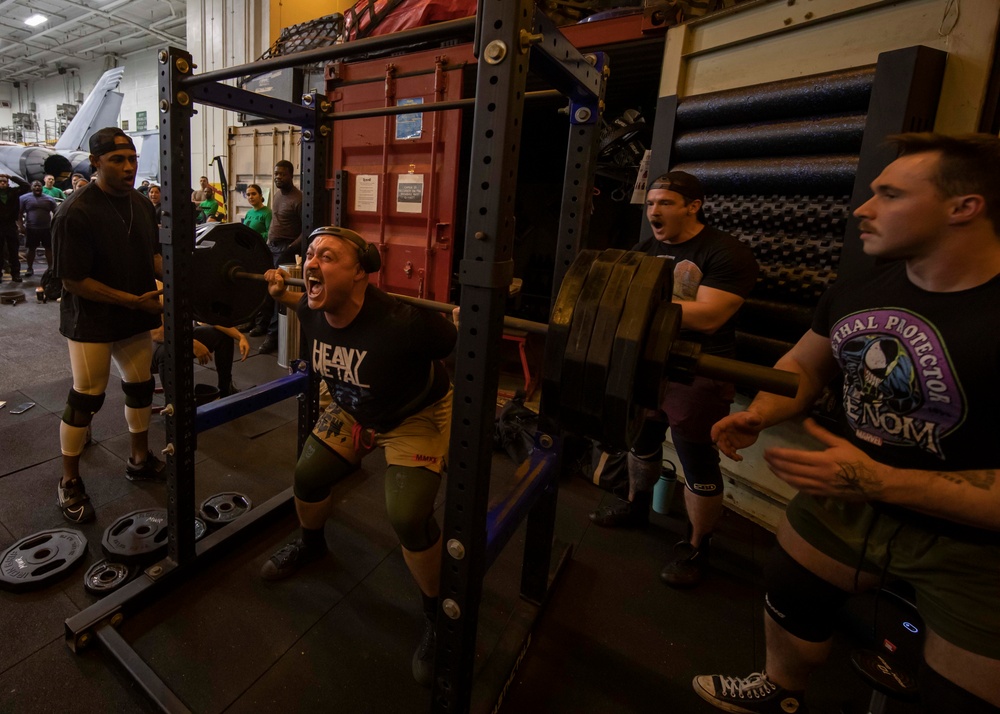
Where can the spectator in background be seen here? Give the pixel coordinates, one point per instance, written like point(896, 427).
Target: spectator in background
point(10, 217)
point(144, 188)
point(37, 210)
point(208, 208)
point(285, 234)
point(154, 197)
point(259, 215)
point(198, 195)
point(50, 188)
point(75, 182)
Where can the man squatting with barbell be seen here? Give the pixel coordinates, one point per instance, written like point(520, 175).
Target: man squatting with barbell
point(910, 492)
point(713, 274)
point(381, 361)
point(106, 254)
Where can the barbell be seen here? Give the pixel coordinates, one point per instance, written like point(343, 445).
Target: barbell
point(611, 346)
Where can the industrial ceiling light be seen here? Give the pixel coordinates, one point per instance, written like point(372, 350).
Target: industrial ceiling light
point(36, 20)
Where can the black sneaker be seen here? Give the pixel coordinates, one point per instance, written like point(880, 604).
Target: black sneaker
point(149, 470)
point(755, 694)
point(624, 514)
point(687, 566)
point(257, 332)
point(423, 657)
point(16, 280)
point(288, 559)
point(269, 345)
point(29, 273)
point(74, 502)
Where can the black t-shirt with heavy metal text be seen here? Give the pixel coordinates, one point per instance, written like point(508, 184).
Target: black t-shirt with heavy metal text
point(385, 365)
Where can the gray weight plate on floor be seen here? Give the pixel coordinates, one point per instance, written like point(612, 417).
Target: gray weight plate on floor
point(223, 508)
point(557, 336)
point(106, 576)
point(602, 341)
point(649, 382)
point(581, 330)
point(651, 285)
point(41, 558)
point(136, 537)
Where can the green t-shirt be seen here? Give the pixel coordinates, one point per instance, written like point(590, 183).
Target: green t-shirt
point(207, 208)
point(54, 192)
point(259, 219)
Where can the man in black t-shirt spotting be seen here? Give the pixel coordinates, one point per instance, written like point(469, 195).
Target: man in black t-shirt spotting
point(381, 360)
point(105, 246)
point(713, 274)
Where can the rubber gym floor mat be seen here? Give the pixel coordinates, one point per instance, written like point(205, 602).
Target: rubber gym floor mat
point(30, 442)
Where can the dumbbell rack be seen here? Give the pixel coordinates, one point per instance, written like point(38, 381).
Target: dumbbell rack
point(509, 34)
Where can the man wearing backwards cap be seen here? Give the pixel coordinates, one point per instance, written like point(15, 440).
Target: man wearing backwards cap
point(713, 274)
point(105, 243)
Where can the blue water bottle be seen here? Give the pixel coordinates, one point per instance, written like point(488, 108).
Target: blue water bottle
point(663, 491)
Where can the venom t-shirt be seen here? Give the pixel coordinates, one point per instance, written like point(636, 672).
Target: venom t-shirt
point(921, 370)
point(385, 365)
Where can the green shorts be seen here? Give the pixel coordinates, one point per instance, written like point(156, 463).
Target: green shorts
point(421, 440)
point(957, 582)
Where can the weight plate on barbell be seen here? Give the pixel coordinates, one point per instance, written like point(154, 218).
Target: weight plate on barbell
point(223, 508)
point(34, 561)
point(136, 537)
point(558, 332)
point(598, 366)
point(649, 383)
point(220, 248)
point(652, 284)
point(581, 330)
point(106, 576)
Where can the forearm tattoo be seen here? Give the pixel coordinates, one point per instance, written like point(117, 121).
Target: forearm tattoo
point(983, 479)
point(858, 479)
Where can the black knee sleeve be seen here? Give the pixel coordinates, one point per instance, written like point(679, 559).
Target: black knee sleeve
point(702, 475)
point(938, 694)
point(139, 394)
point(318, 469)
point(800, 602)
point(409, 501)
point(81, 408)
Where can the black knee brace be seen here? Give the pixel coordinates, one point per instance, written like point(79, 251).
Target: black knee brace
point(139, 394)
point(318, 469)
point(81, 408)
point(409, 501)
point(800, 602)
point(938, 694)
point(700, 462)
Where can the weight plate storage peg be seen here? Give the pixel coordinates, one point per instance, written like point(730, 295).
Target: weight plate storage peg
point(220, 249)
point(223, 508)
point(39, 559)
point(136, 538)
point(106, 576)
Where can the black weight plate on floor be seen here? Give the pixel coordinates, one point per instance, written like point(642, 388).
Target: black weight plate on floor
point(136, 537)
point(106, 576)
point(223, 508)
point(651, 285)
point(220, 247)
point(573, 376)
point(41, 558)
point(649, 382)
point(557, 337)
point(602, 341)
